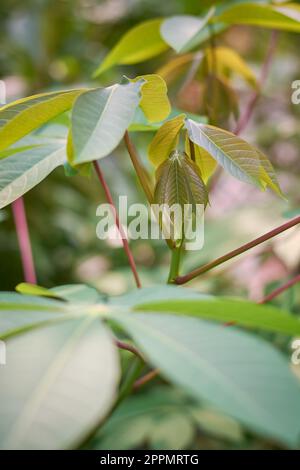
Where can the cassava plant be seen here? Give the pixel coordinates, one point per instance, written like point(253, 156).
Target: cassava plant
point(63, 373)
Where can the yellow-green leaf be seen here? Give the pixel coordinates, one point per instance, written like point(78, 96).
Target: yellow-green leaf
point(205, 162)
point(32, 289)
point(154, 101)
point(84, 169)
point(21, 117)
point(228, 59)
point(267, 16)
point(165, 140)
point(175, 67)
point(234, 154)
point(139, 43)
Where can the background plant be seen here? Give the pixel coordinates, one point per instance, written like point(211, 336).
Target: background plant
point(199, 82)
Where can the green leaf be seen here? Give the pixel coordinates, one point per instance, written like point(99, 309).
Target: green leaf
point(217, 425)
point(178, 181)
point(237, 373)
point(267, 16)
point(235, 155)
point(141, 124)
point(139, 44)
point(204, 161)
point(242, 312)
point(33, 289)
point(19, 313)
point(78, 293)
point(156, 293)
point(15, 150)
point(53, 402)
point(100, 118)
point(184, 32)
point(154, 102)
point(20, 117)
point(165, 140)
point(25, 169)
point(165, 434)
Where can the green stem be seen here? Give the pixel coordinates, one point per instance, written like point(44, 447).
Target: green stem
point(175, 264)
point(134, 370)
point(139, 169)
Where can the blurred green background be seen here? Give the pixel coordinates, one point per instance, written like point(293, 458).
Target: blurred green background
point(49, 44)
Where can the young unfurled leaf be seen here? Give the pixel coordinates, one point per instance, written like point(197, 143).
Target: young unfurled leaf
point(184, 32)
point(205, 162)
point(100, 118)
point(21, 117)
point(180, 192)
point(235, 155)
point(154, 102)
point(165, 140)
point(139, 43)
point(267, 16)
point(179, 182)
point(226, 59)
point(25, 169)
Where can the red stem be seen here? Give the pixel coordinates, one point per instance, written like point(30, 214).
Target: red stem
point(19, 215)
point(280, 289)
point(120, 228)
point(128, 347)
point(237, 251)
point(245, 117)
point(145, 379)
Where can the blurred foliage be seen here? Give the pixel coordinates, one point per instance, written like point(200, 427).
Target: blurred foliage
point(49, 44)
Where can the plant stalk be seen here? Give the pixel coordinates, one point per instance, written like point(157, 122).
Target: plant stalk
point(175, 264)
point(19, 214)
point(120, 228)
point(139, 169)
point(232, 254)
point(280, 289)
point(245, 117)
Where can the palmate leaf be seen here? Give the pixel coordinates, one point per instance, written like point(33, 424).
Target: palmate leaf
point(235, 155)
point(165, 140)
point(237, 373)
point(52, 402)
point(26, 168)
point(139, 43)
point(178, 181)
point(99, 119)
point(284, 17)
point(154, 101)
point(19, 313)
point(21, 117)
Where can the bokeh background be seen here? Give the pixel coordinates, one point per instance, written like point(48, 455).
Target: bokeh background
point(50, 44)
